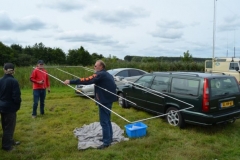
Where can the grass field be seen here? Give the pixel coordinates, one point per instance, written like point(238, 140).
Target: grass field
point(50, 137)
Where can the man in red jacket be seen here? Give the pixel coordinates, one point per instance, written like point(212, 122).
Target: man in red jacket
point(40, 80)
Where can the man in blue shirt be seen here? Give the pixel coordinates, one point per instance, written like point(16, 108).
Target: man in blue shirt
point(104, 80)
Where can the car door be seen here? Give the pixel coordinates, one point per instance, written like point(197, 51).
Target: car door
point(155, 101)
point(136, 93)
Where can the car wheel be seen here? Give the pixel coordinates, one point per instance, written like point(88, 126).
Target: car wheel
point(174, 117)
point(122, 102)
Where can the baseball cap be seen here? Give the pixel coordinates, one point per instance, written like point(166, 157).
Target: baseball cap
point(8, 66)
point(40, 62)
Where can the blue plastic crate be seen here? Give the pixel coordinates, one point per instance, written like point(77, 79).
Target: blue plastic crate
point(136, 130)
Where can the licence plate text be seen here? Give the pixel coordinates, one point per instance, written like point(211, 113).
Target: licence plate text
point(227, 104)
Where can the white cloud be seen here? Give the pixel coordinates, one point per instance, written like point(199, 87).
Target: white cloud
point(121, 17)
point(62, 5)
point(120, 28)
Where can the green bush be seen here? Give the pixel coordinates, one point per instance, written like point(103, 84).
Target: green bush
point(22, 74)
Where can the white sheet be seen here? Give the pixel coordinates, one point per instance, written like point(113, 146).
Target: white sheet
point(89, 135)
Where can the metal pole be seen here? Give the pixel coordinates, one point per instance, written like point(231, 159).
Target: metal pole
point(97, 86)
point(214, 28)
point(83, 94)
point(140, 119)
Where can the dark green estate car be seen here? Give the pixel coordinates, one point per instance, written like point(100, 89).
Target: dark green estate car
point(184, 97)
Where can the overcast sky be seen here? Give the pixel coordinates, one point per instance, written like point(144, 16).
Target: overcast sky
point(124, 27)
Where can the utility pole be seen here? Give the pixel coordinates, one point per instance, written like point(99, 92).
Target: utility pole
point(214, 28)
point(234, 43)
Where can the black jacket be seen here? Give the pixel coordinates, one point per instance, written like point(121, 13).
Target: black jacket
point(10, 94)
point(104, 80)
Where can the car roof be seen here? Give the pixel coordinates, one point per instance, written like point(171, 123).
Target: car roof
point(192, 74)
point(121, 69)
point(117, 70)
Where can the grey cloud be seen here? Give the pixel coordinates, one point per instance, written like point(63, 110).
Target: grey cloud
point(231, 19)
point(230, 23)
point(27, 23)
point(7, 40)
point(62, 5)
point(5, 22)
point(118, 17)
point(170, 24)
point(30, 23)
point(168, 30)
point(88, 38)
point(167, 34)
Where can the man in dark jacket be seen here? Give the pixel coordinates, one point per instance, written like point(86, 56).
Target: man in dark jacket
point(104, 80)
point(10, 101)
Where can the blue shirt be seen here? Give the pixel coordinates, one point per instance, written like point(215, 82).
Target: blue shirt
point(104, 80)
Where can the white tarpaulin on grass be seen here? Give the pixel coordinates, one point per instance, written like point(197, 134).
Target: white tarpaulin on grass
point(89, 136)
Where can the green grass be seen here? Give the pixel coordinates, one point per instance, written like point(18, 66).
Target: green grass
point(50, 137)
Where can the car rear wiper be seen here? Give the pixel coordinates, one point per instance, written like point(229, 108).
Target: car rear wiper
point(225, 93)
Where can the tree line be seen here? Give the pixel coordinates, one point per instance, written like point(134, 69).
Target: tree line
point(187, 57)
point(29, 55)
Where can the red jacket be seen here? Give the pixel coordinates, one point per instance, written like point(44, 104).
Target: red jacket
point(38, 75)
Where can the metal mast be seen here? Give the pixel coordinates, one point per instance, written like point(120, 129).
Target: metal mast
point(214, 28)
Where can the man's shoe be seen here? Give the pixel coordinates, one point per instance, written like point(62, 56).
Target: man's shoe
point(9, 149)
point(16, 143)
point(34, 116)
point(103, 146)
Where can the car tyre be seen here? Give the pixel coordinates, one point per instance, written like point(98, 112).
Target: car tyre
point(174, 117)
point(122, 102)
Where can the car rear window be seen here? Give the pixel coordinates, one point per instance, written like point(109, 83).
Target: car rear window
point(223, 86)
point(134, 73)
point(123, 73)
point(185, 86)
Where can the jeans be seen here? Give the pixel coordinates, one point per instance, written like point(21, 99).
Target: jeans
point(38, 94)
point(105, 122)
point(8, 126)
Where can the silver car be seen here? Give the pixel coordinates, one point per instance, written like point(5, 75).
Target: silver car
point(120, 75)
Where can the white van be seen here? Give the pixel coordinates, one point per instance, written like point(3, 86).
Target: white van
point(224, 65)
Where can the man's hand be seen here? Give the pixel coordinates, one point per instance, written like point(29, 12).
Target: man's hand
point(40, 82)
point(66, 82)
point(49, 90)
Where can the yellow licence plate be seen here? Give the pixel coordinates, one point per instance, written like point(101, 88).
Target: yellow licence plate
point(227, 104)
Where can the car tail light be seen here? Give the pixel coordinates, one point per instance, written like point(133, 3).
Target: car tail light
point(205, 104)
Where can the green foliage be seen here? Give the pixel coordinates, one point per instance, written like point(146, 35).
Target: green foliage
point(149, 59)
point(79, 57)
point(29, 55)
point(164, 58)
point(187, 57)
point(136, 59)
point(96, 57)
point(5, 54)
point(22, 74)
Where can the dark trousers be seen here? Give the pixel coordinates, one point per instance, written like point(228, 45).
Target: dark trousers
point(8, 126)
point(38, 94)
point(105, 122)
